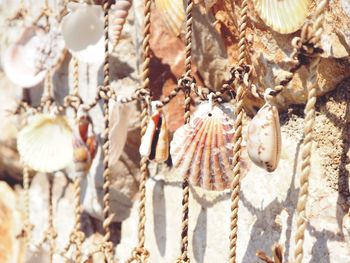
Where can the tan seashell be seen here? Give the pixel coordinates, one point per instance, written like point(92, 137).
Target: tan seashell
point(283, 16)
point(45, 144)
point(173, 14)
point(147, 139)
point(120, 12)
point(202, 149)
point(82, 30)
point(264, 138)
point(30, 57)
point(162, 142)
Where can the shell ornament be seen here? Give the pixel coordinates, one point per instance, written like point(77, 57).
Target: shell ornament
point(84, 145)
point(120, 12)
point(173, 14)
point(283, 16)
point(155, 142)
point(45, 144)
point(82, 30)
point(264, 137)
point(202, 149)
point(35, 52)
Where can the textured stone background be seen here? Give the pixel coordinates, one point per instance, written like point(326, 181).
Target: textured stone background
point(267, 208)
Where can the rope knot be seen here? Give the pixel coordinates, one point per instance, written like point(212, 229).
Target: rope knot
point(187, 82)
point(241, 73)
point(105, 92)
point(73, 101)
point(140, 255)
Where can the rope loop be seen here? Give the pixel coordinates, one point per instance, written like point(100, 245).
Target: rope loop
point(139, 255)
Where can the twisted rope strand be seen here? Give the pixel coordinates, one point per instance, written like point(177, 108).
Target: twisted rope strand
point(308, 136)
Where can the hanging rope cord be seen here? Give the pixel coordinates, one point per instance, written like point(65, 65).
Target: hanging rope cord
point(314, 39)
point(237, 139)
point(140, 253)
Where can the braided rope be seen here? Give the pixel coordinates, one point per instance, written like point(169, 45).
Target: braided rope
point(308, 135)
point(51, 234)
point(140, 253)
point(237, 138)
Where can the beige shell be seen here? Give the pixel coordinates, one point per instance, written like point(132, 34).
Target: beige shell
point(264, 138)
point(283, 16)
point(202, 149)
point(120, 12)
point(162, 145)
point(173, 14)
point(82, 29)
point(26, 61)
point(45, 144)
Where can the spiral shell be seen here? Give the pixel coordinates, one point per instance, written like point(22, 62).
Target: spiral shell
point(173, 14)
point(120, 12)
point(155, 142)
point(45, 144)
point(202, 149)
point(264, 138)
point(35, 52)
point(283, 16)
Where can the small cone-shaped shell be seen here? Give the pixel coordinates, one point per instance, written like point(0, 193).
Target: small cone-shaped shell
point(45, 144)
point(120, 12)
point(147, 139)
point(82, 31)
point(81, 156)
point(173, 14)
point(202, 149)
point(264, 138)
point(162, 144)
point(283, 16)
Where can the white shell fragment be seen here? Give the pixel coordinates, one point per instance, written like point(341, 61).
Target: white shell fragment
point(25, 62)
point(45, 144)
point(283, 16)
point(82, 30)
point(120, 12)
point(264, 138)
point(202, 149)
point(173, 14)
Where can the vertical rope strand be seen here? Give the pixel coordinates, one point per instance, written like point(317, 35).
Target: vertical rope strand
point(237, 138)
point(308, 137)
point(75, 77)
point(107, 246)
point(140, 253)
point(51, 233)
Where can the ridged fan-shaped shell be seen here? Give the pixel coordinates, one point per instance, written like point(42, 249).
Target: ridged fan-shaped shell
point(264, 138)
point(120, 11)
point(283, 16)
point(202, 149)
point(45, 144)
point(173, 14)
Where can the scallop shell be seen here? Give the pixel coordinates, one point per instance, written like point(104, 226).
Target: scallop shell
point(45, 144)
point(82, 30)
point(283, 16)
point(202, 150)
point(264, 138)
point(173, 14)
point(120, 12)
point(30, 57)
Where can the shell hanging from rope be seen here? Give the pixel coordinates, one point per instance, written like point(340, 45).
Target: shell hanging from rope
point(283, 16)
point(172, 13)
point(82, 29)
point(155, 142)
point(264, 138)
point(45, 144)
point(36, 51)
point(202, 150)
point(120, 11)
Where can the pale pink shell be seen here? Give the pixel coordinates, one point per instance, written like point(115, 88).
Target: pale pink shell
point(120, 12)
point(202, 149)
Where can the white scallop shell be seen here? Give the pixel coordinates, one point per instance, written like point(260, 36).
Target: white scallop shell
point(172, 13)
point(283, 16)
point(264, 138)
point(202, 149)
point(82, 30)
point(45, 144)
point(25, 62)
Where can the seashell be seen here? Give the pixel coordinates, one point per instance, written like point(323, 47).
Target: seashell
point(45, 144)
point(283, 16)
point(264, 138)
point(162, 142)
point(202, 150)
point(173, 14)
point(147, 139)
point(120, 12)
point(82, 30)
point(35, 52)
